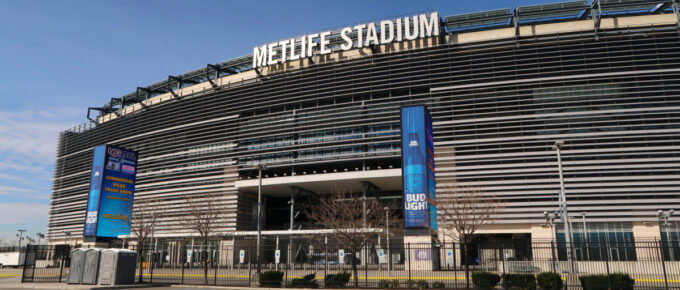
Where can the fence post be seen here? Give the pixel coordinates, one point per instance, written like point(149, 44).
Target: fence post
point(663, 262)
point(182, 259)
point(151, 264)
point(325, 268)
point(23, 269)
point(288, 256)
point(250, 272)
point(61, 266)
point(455, 276)
point(552, 252)
point(216, 260)
point(409, 260)
point(365, 266)
point(502, 255)
point(36, 248)
point(606, 261)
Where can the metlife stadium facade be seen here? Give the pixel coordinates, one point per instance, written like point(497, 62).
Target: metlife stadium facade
point(502, 87)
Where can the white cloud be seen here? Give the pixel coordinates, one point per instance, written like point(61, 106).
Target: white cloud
point(24, 192)
point(33, 133)
point(27, 150)
point(28, 143)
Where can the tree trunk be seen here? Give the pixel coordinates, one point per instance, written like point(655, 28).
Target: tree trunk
point(140, 257)
point(355, 270)
point(205, 262)
point(467, 265)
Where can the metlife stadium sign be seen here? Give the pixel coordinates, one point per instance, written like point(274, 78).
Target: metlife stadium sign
point(112, 187)
point(384, 32)
point(417, 155)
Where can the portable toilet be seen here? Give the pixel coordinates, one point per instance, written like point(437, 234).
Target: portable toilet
point(91, 266)
point(75, 273)
point(117, 267)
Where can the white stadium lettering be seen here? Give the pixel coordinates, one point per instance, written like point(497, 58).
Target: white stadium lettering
point(384, 32)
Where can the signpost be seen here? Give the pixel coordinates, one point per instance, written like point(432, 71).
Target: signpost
point(341, 256)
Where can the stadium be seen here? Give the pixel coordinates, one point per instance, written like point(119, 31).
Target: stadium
point(321, 112)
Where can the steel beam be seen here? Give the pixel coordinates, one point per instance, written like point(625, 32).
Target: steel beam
point(596, 15)
point(676, 6)
point(515, 23)
point(94, 109)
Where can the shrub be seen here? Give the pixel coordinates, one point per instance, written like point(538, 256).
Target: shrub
point(485, 280)
point(384, 284)
point(519, 281)
point(388, 283)
point(438, 285)
point(337, 280)
point(410, 283)
point(622, 281)
point(422, 284)
point(619, 281)
point(271, 279)
point(394, 283)
point(308, 281)
point(594, 282)
point(549, 281)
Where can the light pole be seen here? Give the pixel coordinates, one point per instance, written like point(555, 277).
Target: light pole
point(563, 202)
point(387, 237)
point(20, 235)
point(260, 167)
point(663, 217)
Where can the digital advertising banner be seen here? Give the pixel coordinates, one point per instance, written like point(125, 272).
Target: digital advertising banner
point(112, 187)
point(417, 155)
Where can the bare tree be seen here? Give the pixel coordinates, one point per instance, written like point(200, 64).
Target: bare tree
point(203, 215)
point(343, 212)
point(142, 227)
point(464, 209)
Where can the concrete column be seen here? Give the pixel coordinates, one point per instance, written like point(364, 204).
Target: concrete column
point(646, 234)
point(416, 257)
point(226, 252)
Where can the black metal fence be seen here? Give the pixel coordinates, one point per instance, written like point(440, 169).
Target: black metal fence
point(652, 264)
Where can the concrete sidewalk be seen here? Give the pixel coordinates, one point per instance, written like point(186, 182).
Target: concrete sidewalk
point(59, 286)
point(74, 286)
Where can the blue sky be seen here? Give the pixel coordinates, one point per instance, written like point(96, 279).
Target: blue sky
point(59, 57)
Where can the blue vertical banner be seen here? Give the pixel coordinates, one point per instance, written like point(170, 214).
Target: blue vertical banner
point(417, 155)
point(95, 191)
point(112, 187)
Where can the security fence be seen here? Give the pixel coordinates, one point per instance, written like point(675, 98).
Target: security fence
point(653, 264)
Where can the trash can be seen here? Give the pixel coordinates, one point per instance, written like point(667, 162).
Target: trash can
point(91, 266)
point(75, 272)
point(117, 267)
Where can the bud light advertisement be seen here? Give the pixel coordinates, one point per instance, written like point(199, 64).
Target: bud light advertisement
point(112, 186)
point(417, 152)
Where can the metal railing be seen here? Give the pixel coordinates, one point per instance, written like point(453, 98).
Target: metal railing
point(654, 264)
